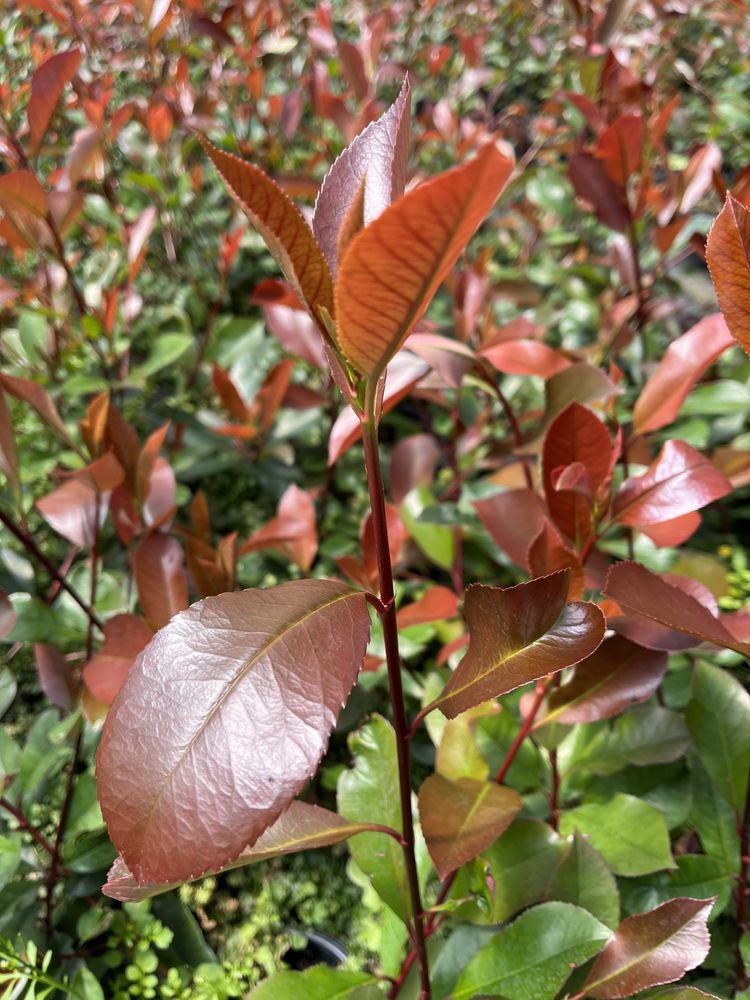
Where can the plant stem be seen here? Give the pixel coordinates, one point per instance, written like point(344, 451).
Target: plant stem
point(35, 834)
point(741, 891)
point(33, 549)
point(393, 659)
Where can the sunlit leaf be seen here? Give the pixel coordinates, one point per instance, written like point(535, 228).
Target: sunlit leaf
point(728, 258)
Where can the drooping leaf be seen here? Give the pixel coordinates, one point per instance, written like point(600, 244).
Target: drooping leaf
point(462, 818)
point(159, 566)
point(585, 880)
point(728, 258)
point(575, 436)
point(394, 266)
point(125, 636)
point(532, 958)
point(652, 948)
point(301, 827)
point(375, 162)
point(369, 793)
point(642, 592)
point(718, 717)
point(679, 481)
point(630, 834)
point(519, 634)
point(47, 85)
point(619, 673)
point(523, 863)
point(682, 365)
point(282, 226)
point(222, 719)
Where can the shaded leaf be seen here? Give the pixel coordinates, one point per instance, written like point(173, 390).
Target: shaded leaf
point(318, 983)
point(55, 675)
point(413, 462)
point(282, 226)
point(8, 454)
point(293, 531)
point(684, 362)
point(619, 673)
point(375, 163)
point(577, 384)
point(519, 634)
point(222, 719)
point(36, 397)
point(395, 265)
point(301, 827)
point(642, 592)
point(679, 481)
point(125, 636)
point(652, 948)
point(728, 258)
point(71, 510)
point(532, 958)
point(585, 880)
point(592, 184)
point(523, 863)
point(513, 519)
point(461, 818)
point(436, 604)
point(630, 834)
point(646, 735)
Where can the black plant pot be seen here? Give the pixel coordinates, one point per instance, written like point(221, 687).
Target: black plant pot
point(318, 948)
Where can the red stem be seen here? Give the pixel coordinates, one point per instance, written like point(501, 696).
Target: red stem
point(741, 890)
point(393, 660)
point(35, 834)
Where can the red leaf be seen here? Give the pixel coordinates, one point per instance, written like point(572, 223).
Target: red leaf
point(618, 674)
point(449, 358)
point(222, 719)
point(513, 519)
point(55, 676)
point(293, 530)
point(460, 819)
point(667, 534)
point(519, 634)
point(394, 266)
point(652, 948)
point(620, 148)
point(525, 357)
point(228, 394)
point(592, 184)
point(576, 435)
point(296, 332)
point(642, 592)
point(436, 604)
point(728, 258)
point(125, 636)
point(147, 460)
point(8, 454)
point(301, 827)
point(679, 481)
point(71, 511)
point(158, 564)
point(684, 362)
point(282, 226)
point(47, 85)
point(413, 462)
point(39, 400)
point(547, 554)
point(138, 234)
point(376, 158)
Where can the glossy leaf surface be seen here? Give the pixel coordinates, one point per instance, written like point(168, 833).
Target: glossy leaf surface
point(519, 634)
point(728, 258)
point(301, 827)
point(395, 265)
point(282, 226)
point(374, 161)
point(158, 563)
point(523, 863)
point(533, 957)
point(461, 818)
point(222, 719)
point(679, 481)
point(652, 948)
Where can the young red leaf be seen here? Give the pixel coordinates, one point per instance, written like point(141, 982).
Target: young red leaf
point(71, 510)
point(462, 818)
point(395, 265)
point(620, 148)
point(592, 184)
point(675, 531)
point(547, 554)
point(282, 226)
point(38, 399)
point(638, 590)
point(652, 948)
point(158, 564)
point(436, 604)
point(575, 436)
point(413, 462)
point(618, 674)
point(679, 481)
point(519, 634)
point(375, 163)
point(293, 530)
point(125, 636)
point(683, 363)
point(47, 85)
point(24, 205)
point(222, 719)
point(55, 676)
point(301, 827)
point(525, 357)
point(513, 519)
point(728, 258)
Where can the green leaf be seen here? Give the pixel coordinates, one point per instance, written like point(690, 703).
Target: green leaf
point(369, 793)
point(533, 957)
point(10, 858)
point(435, 540)
point(8, 689)
point(724, 397)
point(585, 880)
point(645, 735)
point(523, 863)
point(631, 835)
point(167, 349)
point(318, 983)
point(714, 820)
point(85, 985)
point(463, 944)
point(718, 717)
